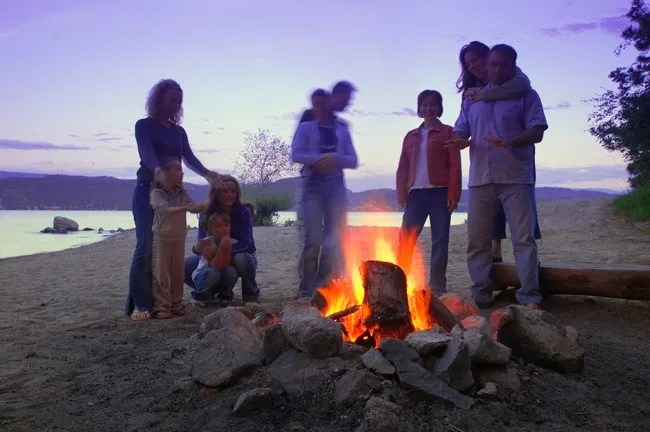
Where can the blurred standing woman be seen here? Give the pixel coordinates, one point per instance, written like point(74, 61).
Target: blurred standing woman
point(472, 85)
point(159, 137)
point(428, 185)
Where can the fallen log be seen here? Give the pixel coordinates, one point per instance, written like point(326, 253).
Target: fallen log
point(386, 299)
point(344, 313)
point(624, 281)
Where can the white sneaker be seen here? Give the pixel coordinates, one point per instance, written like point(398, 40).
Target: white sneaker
point(197, 303)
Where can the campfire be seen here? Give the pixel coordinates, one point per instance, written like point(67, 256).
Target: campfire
point(380, 299)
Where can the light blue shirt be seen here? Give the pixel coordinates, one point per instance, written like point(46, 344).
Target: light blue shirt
point(306, 146)
point(503, 119)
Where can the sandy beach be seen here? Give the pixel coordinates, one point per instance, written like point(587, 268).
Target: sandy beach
point(71, 361)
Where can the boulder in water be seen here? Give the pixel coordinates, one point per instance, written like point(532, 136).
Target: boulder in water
point(62, 224)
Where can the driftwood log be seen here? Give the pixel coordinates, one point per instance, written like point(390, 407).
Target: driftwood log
point(386, 298)
point(624, 281)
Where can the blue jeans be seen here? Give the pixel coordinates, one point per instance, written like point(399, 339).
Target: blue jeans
point(499, 229)
point(324, 202)
point(518, 202)
point(210, 283)
point(191, 263)
point(246, 266)
point(420, 204)
point(140, 293)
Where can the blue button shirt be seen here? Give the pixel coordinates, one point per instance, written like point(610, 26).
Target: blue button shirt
point(504, 119)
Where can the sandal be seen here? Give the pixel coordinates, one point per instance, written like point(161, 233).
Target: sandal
point(182, 310)
point(140, 315)
point(162, 315)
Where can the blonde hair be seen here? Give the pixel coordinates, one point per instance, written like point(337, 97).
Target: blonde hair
point(155, 100)
point(214, 206)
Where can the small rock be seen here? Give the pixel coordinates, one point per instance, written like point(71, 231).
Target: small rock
point(298, 307)
point(264, 320)
point(120, 230)
point(296, 373)
point(100, 230)
point(254, 400)
point(571, 334)
point(48, 230)
point(485, 350)
point(87, 229)
point(428, 342)
point(540, 338)
point(381, 416)
point(459, 305)
point(455, 365)
point(213, 320)
point(397, 350)
point(274, 343)
point(315, 335)
point(256, 308)
point(490, 390)
point(352, 351)
point(506, 378)
point(475, 321)
point(247, 313)
point(356, 385)
point(374, 361)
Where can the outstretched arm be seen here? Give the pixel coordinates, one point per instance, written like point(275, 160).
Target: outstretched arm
point(190, 159)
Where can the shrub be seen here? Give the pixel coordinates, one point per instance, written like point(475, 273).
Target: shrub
point(268, 206)
point(634, 205)
point(289, 223)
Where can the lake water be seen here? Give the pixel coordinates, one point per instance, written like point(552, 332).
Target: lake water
point(20, 229)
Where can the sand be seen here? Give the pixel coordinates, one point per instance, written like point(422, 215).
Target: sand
point(71, 361)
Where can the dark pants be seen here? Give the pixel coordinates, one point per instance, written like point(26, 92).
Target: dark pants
point(140, 293)
point(244, 263)
point(499, 228)
point(420, 204)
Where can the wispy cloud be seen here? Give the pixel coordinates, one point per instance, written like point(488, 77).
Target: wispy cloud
point(361, 113)
point(611, 25)
point(25, 145)
point(205, 132)
point(109, 139)
point(403, 112)
point(558, 106)
point(207, 151)
point(285, 117)
point(73, 136)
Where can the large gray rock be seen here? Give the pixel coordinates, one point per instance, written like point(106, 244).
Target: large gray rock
point(274, 343)
point(459, 305)
point(484, 350)
point(315, 335)
point(295, 373)
point(229, 351)
point(226, 317)
point(539, 337)
point(397, 350)
point(428, 342)
point(63, 224)
point(455, 365)
point(377, 363)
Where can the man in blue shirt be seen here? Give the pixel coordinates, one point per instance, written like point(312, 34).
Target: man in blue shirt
point(501, 136)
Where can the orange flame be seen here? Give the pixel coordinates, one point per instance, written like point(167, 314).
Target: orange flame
point(342, 294)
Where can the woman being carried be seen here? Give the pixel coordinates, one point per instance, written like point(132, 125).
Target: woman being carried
point(227, 200)
point(428, 185)
point(472, 85)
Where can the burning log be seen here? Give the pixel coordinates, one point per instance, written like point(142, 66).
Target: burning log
point(386, 299)
point(345, 312)
point(439, 313)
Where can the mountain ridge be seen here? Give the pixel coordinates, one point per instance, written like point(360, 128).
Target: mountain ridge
point(25, 191)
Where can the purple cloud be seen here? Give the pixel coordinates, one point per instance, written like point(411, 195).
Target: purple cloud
point(24, 145)
point(109, 139)
point(558, 106)
point(404, 112)
point(611, 25)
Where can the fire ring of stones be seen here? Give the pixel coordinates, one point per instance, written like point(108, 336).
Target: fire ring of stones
point(303, 351)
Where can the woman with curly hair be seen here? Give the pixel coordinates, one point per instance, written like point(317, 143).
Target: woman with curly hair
point(228, 200)
point(160, 137)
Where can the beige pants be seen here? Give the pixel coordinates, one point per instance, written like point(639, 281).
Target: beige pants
point(168, 267)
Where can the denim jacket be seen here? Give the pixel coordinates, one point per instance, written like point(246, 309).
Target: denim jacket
point(306, 145)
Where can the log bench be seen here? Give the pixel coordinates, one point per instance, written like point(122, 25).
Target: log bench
point(624, 281)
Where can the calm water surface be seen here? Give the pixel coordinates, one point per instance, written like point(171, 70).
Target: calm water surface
point(20, 229)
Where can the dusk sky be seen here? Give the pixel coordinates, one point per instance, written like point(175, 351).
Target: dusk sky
point(76, 75)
